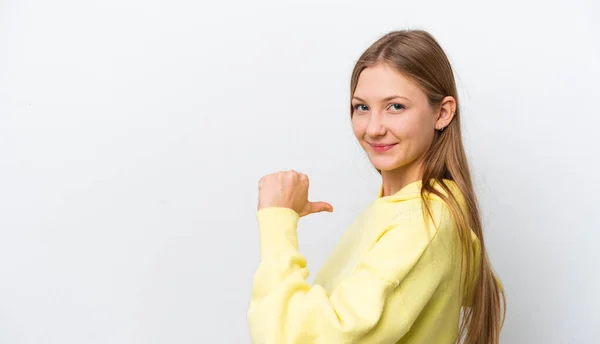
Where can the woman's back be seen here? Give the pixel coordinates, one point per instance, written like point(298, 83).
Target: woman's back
point(428, 300)
point(394, 277)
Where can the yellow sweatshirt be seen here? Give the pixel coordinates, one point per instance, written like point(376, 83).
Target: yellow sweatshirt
point(393, 277)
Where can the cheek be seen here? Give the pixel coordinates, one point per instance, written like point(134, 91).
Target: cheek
point(412, 132)
point(421, 137)
point(358, 128)
point(402, 128)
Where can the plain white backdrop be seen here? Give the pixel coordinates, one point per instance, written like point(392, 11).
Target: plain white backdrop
point(133, 134)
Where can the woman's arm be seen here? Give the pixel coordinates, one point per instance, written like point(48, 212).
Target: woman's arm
point(285, 309)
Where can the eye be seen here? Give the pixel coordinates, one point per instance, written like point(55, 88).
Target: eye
point(360, 107)
point(397, 107)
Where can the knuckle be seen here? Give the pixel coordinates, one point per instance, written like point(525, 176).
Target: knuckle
point(262, 180)
point(304, 179)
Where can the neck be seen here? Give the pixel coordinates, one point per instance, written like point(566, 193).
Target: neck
point(394, 180)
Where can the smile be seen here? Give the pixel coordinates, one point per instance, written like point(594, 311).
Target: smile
point(381, 147)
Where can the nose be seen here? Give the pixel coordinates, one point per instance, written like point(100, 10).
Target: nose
point(375, 127)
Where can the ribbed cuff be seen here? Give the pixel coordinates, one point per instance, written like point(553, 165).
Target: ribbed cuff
point(277, 227)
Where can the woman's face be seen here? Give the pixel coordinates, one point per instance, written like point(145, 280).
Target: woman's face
point(392, 118)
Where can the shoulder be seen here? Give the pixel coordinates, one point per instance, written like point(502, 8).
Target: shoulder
point(410, 217)
point(430, 215)
point(412, 236)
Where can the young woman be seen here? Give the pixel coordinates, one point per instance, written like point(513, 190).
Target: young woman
point(415, 258)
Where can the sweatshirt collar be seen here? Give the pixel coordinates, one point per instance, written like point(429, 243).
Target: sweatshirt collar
point(408, 189)
point(413, 190)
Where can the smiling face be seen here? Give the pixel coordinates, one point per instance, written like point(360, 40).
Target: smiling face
point(392, 119)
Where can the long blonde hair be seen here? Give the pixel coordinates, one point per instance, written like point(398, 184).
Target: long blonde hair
point(416, 54)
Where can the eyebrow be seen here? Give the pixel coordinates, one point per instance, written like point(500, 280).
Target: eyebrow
point(383, 100)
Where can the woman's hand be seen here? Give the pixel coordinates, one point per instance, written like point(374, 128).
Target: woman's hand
point(288, 189)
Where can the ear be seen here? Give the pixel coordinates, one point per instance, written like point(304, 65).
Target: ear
point(446, 114)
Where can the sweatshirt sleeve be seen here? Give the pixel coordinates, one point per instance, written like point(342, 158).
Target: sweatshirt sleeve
point(285, 309)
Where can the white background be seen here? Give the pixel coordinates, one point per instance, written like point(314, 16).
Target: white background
point(133, 134)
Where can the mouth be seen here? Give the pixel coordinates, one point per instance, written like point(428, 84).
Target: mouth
point(382, 147)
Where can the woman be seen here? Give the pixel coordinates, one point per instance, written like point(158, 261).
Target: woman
point(415, 257)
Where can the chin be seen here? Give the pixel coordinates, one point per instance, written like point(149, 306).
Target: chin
point(385, 164)
point(385, 168)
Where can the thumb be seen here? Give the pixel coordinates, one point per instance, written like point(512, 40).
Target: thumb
point(317, 207)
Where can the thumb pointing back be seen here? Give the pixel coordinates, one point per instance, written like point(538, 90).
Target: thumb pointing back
point(317, 207)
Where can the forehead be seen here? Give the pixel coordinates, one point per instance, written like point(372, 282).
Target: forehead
point(381, 80)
